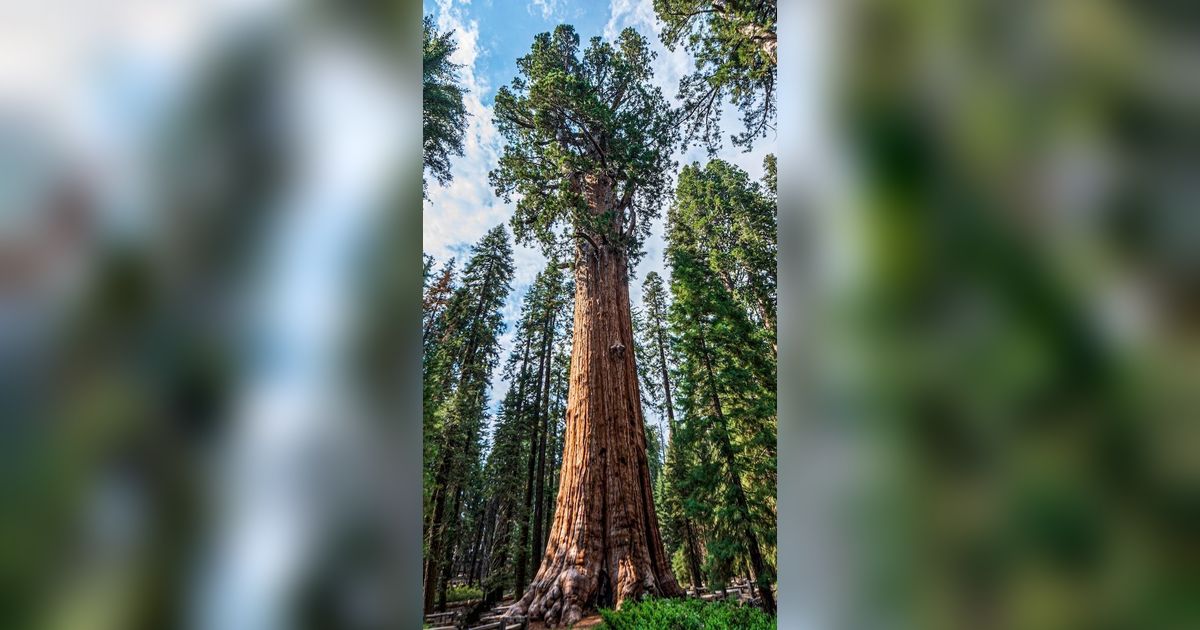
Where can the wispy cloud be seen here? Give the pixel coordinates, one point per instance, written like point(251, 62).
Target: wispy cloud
point(548, 8)
point(457, 215)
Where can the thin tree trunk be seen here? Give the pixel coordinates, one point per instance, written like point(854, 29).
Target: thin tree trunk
point(556, 453)
point(743, 506)
point(538, 542)
point(477, 544)
point(447, 563)
point(693, 553)
point(485, 548)
point(498, 558)
point(523, 558)
point(604, 545)
point(435, 536)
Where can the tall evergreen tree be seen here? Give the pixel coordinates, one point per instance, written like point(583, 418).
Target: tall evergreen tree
point(588, 151)
point(443, 115)
point(730, 425)
point(735, 222)
point(465, 358)
point(726, 391)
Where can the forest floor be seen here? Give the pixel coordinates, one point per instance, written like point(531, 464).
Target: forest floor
point(591, 621)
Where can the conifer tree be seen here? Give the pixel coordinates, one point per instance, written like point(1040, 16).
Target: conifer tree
point(464, 358)
point(443, 115)
point(735, 221)
point(588, 151)
point(726, 391)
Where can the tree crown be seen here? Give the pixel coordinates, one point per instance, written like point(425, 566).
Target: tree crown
point(589, 141)
point(443, 115)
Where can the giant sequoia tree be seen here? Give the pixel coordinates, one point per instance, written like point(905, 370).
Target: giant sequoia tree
point(588, 156)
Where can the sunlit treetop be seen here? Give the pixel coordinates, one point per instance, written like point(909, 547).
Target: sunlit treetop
point(735, 47)
point(588, 142)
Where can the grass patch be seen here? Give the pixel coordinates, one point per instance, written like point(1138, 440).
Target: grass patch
point(686, 614)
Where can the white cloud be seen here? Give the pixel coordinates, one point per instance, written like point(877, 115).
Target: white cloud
point(548, 8)
point(458, 215)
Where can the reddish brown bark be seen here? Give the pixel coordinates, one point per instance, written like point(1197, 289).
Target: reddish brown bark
point(604, 546)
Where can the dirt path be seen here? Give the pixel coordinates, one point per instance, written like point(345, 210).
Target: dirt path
point(591, 621)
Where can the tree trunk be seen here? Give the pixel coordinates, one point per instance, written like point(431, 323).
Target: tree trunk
point(525, 517)
point(556, 453)
point(537, 543)
point(485, 550)
point(435, 535)
point(666, 377)
point(498, 557)
point(743, 506)
point(604, 546)
point(477, 544)
point(446, 564)
point(693, 554)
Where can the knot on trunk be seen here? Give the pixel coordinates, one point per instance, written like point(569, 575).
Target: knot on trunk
point(617, 349)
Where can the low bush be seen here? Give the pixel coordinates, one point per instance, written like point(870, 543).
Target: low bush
point(686, 614)
point(462, 593)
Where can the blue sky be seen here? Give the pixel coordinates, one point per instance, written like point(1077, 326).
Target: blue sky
point(491, 35)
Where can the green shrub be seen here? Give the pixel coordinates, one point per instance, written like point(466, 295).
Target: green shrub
point(686, 614)
point(461, 593)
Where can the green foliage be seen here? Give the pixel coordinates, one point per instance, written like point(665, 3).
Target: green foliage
point(461, 351)
point(443, 115)
point(588, 142)
point(458, 593)
point(734, 45)
point(730, 223)
point(721, 462)
point(686, 614)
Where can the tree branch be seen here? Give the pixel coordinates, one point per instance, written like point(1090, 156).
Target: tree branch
point(589, 239)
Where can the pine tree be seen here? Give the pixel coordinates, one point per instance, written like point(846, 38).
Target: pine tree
point(434, 301)
point(464, 358)
point(443, 115)
point(588, 153)
point(726, 390)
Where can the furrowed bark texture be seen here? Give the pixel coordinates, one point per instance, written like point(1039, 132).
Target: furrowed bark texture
point(604, 546)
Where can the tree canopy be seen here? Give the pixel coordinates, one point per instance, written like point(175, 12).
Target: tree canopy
point(734, 45)
point(588, 141)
